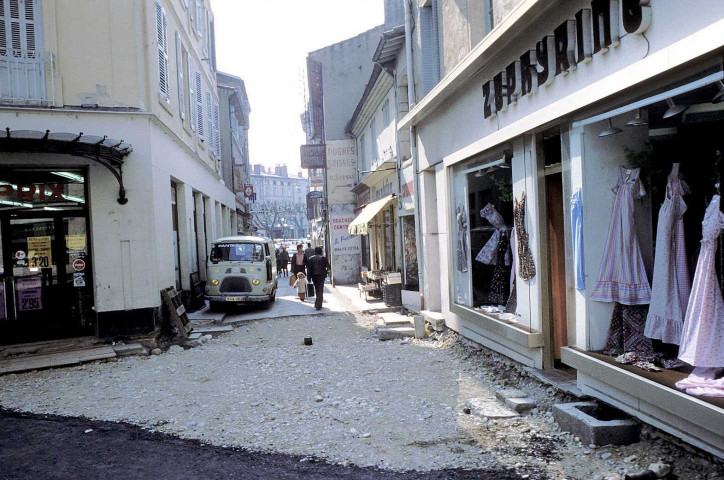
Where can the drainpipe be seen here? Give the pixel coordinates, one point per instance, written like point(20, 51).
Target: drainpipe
point(413, 152)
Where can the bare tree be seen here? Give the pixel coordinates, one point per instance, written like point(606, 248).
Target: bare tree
point(267, 217)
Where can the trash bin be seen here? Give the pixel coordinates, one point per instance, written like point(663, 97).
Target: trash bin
point(392, 294)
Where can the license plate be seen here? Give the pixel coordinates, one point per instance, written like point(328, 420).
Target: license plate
point(235, 299)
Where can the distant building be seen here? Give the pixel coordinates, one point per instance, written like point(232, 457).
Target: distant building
point(279, 203)
point(235, 170)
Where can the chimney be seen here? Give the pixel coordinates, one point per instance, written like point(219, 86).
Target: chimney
point(257, 169)
point(281, 170)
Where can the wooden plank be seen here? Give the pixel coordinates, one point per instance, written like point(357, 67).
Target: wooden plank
point(180, 319)
point(180, 310)
point(59, 359)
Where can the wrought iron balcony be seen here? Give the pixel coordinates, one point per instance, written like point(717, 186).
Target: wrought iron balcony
point(27, 78)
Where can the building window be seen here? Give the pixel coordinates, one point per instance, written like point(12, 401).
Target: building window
point(489, 18)
point(180, 55)
point(162, 47)
point(210, 121)
point(198, 17)
point(482, 218)
point(217, 133)
point(386, 113)
point(199, 105)
point(430, 45)
point(373, 138)
point(363, 152)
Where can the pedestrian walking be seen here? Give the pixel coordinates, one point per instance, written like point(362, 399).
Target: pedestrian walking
point(299, 261)
point(281, 267)
point(318, 268)
point(301, 285)
point(309, 251)
point(284, 259)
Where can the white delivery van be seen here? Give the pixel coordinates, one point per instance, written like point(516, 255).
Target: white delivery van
point(241, 270)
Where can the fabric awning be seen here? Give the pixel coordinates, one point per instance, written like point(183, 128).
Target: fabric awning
point(359, 224)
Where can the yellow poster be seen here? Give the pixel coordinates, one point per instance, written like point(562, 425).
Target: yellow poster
point(75, 242)
point(39, 252)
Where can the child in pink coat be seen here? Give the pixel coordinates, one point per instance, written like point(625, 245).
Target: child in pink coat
point(301, 285)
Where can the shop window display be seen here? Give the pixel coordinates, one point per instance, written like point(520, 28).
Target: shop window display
point(489, 234)
point(665, 230)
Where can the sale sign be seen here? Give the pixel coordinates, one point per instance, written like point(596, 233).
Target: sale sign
point(39, 252)
point(29, 293)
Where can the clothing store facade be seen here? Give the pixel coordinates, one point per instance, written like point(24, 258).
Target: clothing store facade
point(565, 166)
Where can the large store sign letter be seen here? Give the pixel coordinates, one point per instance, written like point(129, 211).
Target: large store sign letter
point(591, 31)
point(39, 192)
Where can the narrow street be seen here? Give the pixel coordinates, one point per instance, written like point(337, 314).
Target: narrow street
point(257, 403)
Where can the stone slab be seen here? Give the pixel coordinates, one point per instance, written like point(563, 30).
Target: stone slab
point(436, 319)
point(206, 314)
point(520, 405)
point(419, 324)
point(392, 319)
point(390, 333)
point(129, 349)
point(489, 408)
point(216, 330)
point(59, 359)
point(505, 393)
point(194, 335)
point(577, 418)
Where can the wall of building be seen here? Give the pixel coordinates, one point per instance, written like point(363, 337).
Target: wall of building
point(346, 67)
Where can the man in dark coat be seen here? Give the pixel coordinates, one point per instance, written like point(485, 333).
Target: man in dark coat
point(309, 251)
point(317, 269)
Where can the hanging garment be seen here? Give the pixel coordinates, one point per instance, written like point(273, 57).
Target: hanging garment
point(526, 266)
point(577, 234)
point(704, 381)
point(702, 340)
point(512, 305)
point(626, 333)
point(489, 253)
point(622, 276)
point(668, 296)
point(498, 293)
point(462, 244)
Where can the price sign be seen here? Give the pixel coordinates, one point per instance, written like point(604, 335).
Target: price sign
point(29, 290)
point(39, 252)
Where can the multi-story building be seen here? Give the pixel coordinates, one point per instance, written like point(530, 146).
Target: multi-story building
point(279, 206)
point(524, 115)
point(109, 164)
point(234, 128)
point(337, 75)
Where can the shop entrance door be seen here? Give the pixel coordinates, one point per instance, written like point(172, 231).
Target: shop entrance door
point(46, 286)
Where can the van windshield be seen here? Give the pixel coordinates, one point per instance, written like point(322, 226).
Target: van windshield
point(237, 252)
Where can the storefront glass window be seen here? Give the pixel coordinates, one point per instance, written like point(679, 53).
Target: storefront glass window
point(655, 176)
point(483, 219)
point(38, 190)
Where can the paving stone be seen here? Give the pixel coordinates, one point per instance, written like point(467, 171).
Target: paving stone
point(520, 404)
point(392, 333)
point(505, 393)
point(130, 349)
point(489, 408)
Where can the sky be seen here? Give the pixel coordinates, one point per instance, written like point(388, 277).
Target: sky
point(266, 42)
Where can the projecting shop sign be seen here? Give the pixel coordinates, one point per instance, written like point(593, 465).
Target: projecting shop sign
point(314, 156)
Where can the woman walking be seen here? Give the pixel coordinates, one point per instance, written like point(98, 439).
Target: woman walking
point(299, 261)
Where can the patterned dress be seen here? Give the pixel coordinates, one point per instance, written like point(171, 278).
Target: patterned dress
point(666, 313)
point(577, 239)
point(622, 276)
point(462, 247)
point(702, 340)
point(489, 253)
point(526, 266)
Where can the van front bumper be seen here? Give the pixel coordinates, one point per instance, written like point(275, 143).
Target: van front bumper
point(246, 298)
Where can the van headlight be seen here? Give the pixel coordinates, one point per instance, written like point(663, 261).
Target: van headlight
point(255, 281)
point(214, 282)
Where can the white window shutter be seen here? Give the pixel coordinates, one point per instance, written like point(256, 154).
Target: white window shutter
point(192, 95)
point(209, 121)
point(197, 17)
point(217, 134)
point(199, 105)
point(18, 28)
point(180, 78)
point(162, 50)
